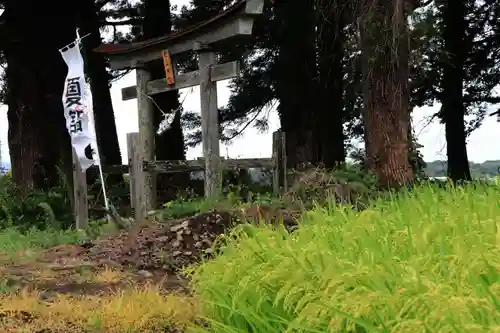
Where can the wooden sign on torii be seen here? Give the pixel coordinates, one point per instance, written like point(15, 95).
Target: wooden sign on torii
point(204, 38)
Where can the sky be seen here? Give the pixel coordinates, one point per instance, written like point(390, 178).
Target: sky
point(481, 143)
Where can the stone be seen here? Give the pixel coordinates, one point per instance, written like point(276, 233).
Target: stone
point(145, 274)
point(175, 228)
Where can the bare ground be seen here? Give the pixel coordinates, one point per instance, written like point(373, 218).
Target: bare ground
point(106, 272)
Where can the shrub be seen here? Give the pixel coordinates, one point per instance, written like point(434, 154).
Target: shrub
point(13, 241)
point(425, 261)
point(34, 209)
point(348, 184)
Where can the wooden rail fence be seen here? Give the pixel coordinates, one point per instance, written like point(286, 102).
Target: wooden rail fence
point(139, 169)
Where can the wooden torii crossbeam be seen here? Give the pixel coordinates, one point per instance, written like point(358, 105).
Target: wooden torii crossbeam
point(204, 38)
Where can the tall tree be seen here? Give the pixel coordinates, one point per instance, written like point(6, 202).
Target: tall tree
point(385, 52)
point(282, 65)
point(197, 11)
point(295, 73)
point(107, 138)
point(456, 63)
point(38, 138)
point(331, 22)
point(170, 143)
point(453, 107)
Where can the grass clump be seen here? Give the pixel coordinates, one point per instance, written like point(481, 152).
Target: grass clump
point(12, 240)
point(424, 261)
point(135, 310)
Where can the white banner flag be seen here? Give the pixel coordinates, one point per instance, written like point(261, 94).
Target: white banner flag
point(77, 101)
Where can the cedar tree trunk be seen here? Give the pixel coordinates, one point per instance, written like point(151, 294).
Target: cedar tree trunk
point(385, 47)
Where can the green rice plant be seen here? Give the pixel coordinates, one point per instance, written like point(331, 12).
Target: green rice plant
point(427, 260)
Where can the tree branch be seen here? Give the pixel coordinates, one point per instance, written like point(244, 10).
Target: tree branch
point(119, 13)
point(101, 3)
point(121, 23)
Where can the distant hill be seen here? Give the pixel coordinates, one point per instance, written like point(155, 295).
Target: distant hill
point(433, 169)
point(485, 169)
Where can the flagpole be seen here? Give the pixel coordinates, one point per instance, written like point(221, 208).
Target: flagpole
point(99, 166)
point(78, 42)
point(75, 42)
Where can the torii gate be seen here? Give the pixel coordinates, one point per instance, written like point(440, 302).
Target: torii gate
point(204, 38)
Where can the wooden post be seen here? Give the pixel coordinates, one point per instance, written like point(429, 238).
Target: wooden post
point(136, 177)
point(81, 208)
point(209, 123)
point(131, 148)
point(279, 156)
point(147, 140)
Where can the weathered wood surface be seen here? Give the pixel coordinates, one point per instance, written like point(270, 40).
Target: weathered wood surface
point(279, 159)
point(137, 177)
point(80, 194)
point(217, 73)
point(116, 169)
point(236, 25)
point(191, 165)
point(199, 165)
point(169, 69)
point(132, 142)
point(146, 149)
point(209, 123)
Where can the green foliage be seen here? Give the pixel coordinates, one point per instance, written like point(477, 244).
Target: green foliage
point(118, 194)
point(425, 261)
point(186, 207)
point(5, 287)
point(182, 208)
point(350, 184)
point(35, 209)
point(14, 241)
point(417, 159)
point(481, 69)
point(98, 228)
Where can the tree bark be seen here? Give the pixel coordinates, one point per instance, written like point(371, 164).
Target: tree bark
point(25, 146)
point(296, 73)
point(95, 68)
point(38, 139)
point(330, 120)
point(385, 48)
point(169, 144)
point(453, 110)
point(104, 116)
